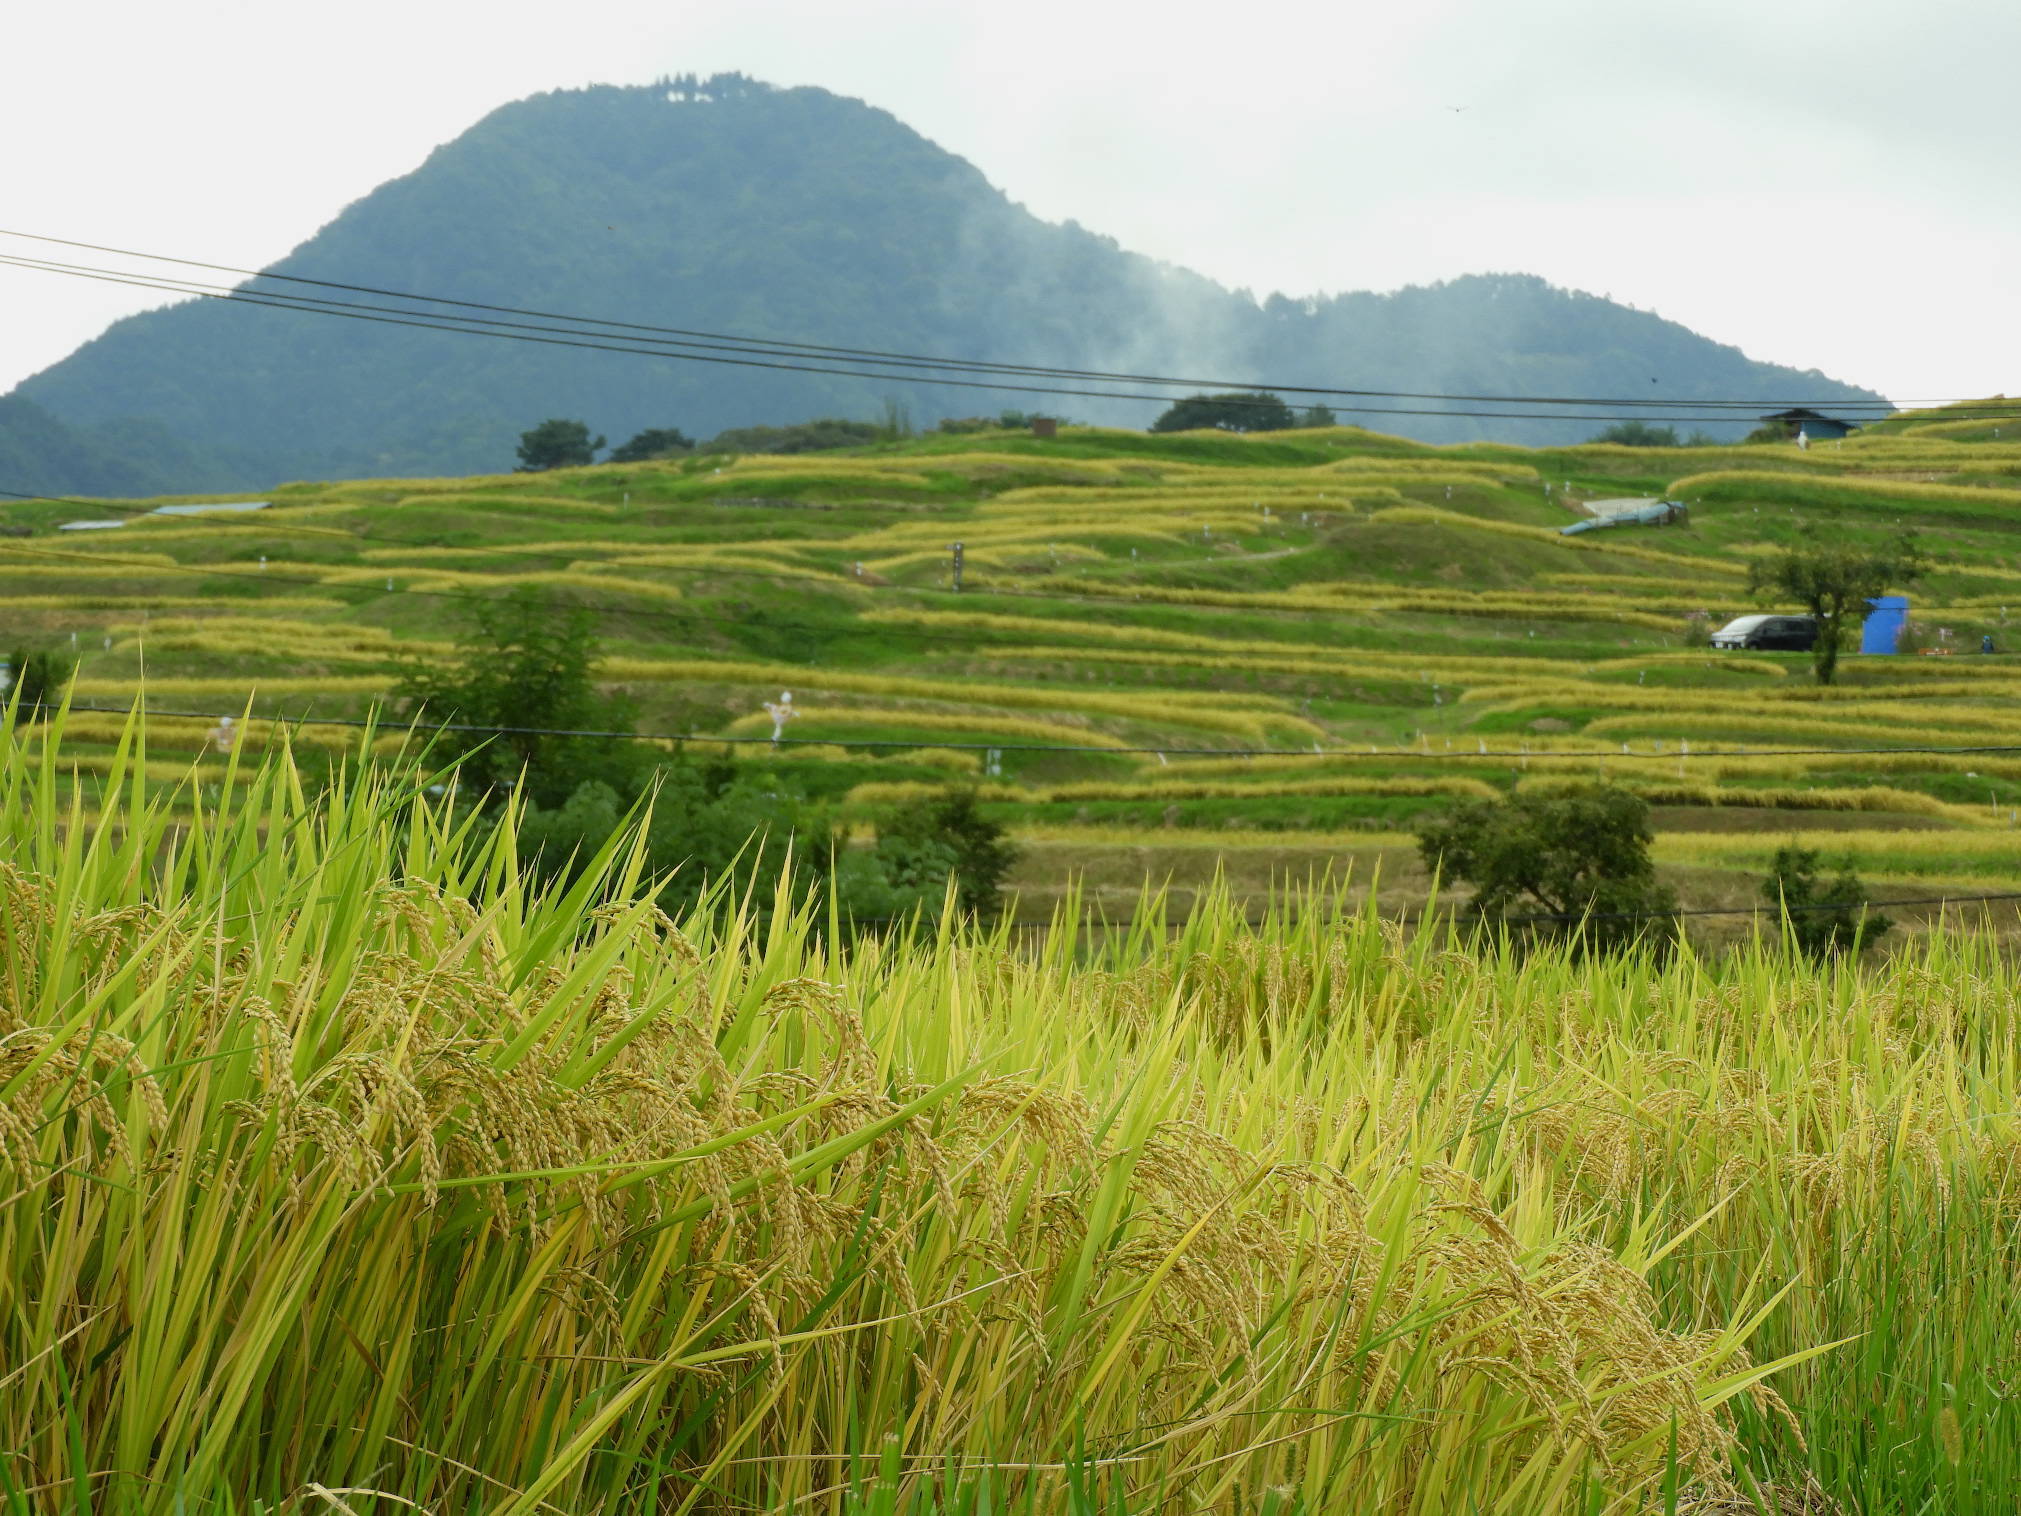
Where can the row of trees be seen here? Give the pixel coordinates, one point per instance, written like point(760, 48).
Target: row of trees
point(1645, 434)
point(562, 443)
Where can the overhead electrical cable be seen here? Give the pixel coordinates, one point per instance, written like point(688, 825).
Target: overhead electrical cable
point(520, 332)
point(1168, 750)
point(691, 337)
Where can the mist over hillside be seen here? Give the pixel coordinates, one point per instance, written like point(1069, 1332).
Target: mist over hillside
point(729, 205)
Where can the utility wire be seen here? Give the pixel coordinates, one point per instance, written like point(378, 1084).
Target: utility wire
point(1753, 910)
point(936, 371)
point(1169, 751)
point(507, 331)
point(917, 358)
point(984, 365)
point(1529, 918)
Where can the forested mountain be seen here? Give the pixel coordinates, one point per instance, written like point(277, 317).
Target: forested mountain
point(731, 206)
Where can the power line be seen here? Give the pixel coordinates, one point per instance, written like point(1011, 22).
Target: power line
point(1168, 751)
point(785, 345)
point(937, 369)
point(504, 331)
point(1752, 910)
point(1784, 908)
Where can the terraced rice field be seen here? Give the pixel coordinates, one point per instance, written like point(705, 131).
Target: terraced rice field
point(1374, 624)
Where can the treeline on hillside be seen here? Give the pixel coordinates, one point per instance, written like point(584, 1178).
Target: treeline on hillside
point(560, 442)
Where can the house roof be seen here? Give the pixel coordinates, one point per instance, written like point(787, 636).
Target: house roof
point(1805, 413)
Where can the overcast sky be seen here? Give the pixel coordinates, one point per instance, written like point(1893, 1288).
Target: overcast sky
point(1829, 185)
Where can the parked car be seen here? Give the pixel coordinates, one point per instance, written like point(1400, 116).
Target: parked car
point(1784, 634)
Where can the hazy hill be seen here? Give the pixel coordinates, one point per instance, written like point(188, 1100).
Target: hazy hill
point(798, 214)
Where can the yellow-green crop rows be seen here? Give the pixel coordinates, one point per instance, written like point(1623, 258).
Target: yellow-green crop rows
point(347, 1169)
point(1326, 630)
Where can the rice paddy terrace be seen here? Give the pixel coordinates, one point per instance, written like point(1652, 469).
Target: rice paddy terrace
point(1262, 653)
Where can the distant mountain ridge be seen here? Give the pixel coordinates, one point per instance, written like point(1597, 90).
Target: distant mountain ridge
point(792, 214)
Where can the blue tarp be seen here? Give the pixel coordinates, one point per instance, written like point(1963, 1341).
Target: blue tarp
point(1882, 630)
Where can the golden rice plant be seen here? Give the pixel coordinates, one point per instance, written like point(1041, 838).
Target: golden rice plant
point(364, 1171)
point(233, 691)
point(1645, 611)
point(352, 1169)
point(1787, 730)
point(1431, 515)
point(588, 577)
point(824, 717)
point(490, 500)
point(1250, 716)
point(301, 605)
point(1831, 798)
point(269, 636)
point(1182, 786)
point(1744, 484)
point(996, 556)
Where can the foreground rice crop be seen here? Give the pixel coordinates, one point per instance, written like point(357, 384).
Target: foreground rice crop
point(345, 1169)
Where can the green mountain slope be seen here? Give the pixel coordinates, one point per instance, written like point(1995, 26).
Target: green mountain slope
point(796, 214)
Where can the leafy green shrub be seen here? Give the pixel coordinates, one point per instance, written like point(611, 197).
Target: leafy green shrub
point(1234, 411)
point(1639, 434)
point(653, 442)
point(717, 821)
point(802, 437)
point(524, 673)
point(1821, 918)
point(556, 443)
point(38, 680)
point(924, 843)
point(1567, 864)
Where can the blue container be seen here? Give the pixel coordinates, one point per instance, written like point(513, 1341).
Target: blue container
point(1882, 631)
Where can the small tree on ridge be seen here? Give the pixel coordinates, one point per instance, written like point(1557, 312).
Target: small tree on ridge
point(653, 442)
point(556, 443)
point(1570, 864)
point(1833, 580)
point(1233, 411)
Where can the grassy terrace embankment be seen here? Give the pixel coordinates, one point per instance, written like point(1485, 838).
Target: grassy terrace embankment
point(1137, 604)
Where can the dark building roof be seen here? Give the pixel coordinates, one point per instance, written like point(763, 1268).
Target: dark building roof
point(1804, 416)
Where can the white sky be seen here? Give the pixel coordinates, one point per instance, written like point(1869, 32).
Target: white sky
point(1825, 184)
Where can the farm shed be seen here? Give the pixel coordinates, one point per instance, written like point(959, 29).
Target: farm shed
point(1815, 426)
